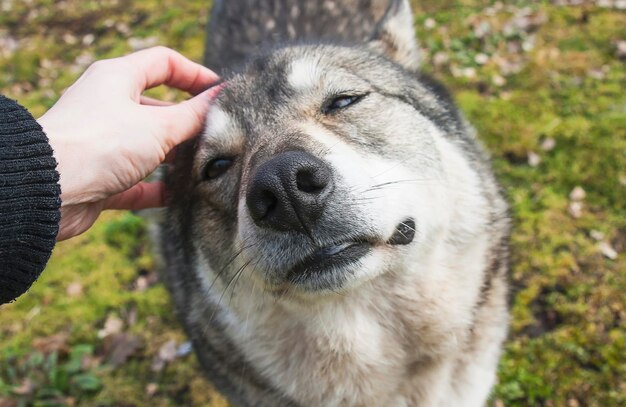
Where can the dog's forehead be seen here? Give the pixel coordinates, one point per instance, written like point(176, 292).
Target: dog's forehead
point(304, 73)
point(283, 87)
point(267, 90)
point(291, 70)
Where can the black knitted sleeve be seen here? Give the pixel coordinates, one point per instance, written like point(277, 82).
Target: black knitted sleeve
point(29, 200)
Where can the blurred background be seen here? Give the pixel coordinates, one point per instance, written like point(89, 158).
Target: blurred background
point(543, 82)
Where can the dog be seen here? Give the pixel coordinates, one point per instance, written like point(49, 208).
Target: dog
point(335, 236)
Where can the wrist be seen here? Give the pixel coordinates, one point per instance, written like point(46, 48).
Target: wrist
point(71, 180)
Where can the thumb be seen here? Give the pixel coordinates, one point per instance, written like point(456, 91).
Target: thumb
point(184, 120)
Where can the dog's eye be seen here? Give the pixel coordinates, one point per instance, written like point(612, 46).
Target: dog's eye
point(341, 102)
point(217, 167)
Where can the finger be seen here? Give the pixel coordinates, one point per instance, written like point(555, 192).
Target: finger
point(148, 101)
point(163, 66)
point(184, 120)
point(141, 196)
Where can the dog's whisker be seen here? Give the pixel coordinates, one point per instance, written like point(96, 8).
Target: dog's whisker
point(232, 292)
point(368, 198)
point(219, 302)
point(327, 150)
point(229, 262)
point(403, 181)
point(391, 168)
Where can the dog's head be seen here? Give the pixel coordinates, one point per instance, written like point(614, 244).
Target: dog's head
point(319, 167)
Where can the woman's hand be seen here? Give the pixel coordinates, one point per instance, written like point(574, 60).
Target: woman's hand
point(107, 137)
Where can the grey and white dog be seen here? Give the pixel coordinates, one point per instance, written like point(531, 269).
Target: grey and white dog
point(335, 236)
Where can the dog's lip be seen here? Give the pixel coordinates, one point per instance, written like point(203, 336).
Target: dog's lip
point(333, 256)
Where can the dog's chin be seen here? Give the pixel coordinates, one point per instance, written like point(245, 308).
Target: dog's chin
point(329, 268)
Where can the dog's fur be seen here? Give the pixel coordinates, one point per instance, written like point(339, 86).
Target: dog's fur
point(418, 324)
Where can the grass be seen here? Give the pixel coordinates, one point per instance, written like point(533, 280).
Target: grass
point(542, 84)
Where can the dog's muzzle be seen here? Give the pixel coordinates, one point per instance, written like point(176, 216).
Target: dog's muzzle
point(288, 193)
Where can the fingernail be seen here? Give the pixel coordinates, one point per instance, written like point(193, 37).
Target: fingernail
point(214, 91)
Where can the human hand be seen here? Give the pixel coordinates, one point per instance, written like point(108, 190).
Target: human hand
point(107, 137)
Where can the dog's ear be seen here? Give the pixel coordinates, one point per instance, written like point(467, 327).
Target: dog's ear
point(395, 36)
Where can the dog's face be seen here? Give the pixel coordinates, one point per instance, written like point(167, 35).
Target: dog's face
point(318, 169)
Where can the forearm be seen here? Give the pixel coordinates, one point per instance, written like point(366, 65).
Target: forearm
point(107, 138)
point(29, 200)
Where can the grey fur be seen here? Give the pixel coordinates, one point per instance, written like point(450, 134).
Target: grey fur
point(360, 45)
point(239, 29)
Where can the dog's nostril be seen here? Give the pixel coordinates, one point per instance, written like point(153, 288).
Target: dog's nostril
point(268, 201)
point(263, 204)
point(311, 181)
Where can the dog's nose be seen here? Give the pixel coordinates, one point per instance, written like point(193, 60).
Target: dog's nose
point(289, 191)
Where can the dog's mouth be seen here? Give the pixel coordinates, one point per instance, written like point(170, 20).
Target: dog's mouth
point(325, 266)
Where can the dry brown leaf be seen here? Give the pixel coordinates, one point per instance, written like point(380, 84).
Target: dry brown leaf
point(151, 389)
point(112, 325)
point(573, 403)
point(53, 343)
point(578, 194)
point(548, 144)
point(607, 250)
point(621, 49)
point(146, 281)
point(596, 235)
point(131, 316)
point(25, 388)
point(167, 353)
point(533, 159)
point(575, 209)
point(75, 289)
point(120, 347)
point(7, 402)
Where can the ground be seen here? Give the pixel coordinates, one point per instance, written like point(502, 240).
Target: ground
point(543, 82)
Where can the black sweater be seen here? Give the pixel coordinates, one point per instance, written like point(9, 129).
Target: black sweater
point(29, 200)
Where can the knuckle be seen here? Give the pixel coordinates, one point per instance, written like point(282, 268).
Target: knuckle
point(103, 66)
point(97, 66)
point(162, 50)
